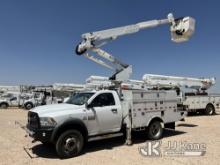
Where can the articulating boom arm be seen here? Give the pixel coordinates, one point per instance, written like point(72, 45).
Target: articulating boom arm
point(173, 81)
point(181, 30)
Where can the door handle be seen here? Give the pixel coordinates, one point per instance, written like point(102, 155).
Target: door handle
point(114, 110)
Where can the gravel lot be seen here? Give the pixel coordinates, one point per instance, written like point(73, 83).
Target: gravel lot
point(196, 129)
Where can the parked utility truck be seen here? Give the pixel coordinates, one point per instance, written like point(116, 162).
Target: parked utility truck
point(197, 100)
point(104, 113)
point(41, 97)
point(10, 99)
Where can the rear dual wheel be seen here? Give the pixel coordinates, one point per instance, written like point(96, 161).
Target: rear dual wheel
point(210, 110)
point(155, 130)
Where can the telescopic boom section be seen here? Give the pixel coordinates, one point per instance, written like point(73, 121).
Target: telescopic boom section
point(173, 81)
point(181, 30)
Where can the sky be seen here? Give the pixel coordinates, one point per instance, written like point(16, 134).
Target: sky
point(38, 39)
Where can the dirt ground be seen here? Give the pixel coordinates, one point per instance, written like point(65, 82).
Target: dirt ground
point(196, 129)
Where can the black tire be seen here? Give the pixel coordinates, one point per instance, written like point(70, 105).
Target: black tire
point(69, 144)
point(155, 130)
point(47, 144)
point(3, 106)
point(29, 106)
point(209, 110)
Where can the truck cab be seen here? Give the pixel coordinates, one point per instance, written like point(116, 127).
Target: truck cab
point(89, 113)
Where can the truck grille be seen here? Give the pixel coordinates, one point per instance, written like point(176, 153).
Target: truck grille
point(33, 120)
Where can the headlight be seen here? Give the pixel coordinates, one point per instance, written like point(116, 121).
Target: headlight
point(47, 122)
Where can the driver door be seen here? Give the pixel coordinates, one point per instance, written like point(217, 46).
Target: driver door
point(14, 101)
point(104, 115)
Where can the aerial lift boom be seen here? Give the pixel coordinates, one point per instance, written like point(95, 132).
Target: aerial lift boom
point(177, 82)
point(181, 30)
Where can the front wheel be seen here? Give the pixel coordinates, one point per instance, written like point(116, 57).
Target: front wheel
point(3, 106)
point(69, 144)
point(29, 106)
point(155, 130)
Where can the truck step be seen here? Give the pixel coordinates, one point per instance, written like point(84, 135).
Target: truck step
point(105, 136)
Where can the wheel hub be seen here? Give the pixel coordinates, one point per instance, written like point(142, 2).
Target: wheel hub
point(210, 110)
point(70, 144)
point(155, 130)
point(29, 106)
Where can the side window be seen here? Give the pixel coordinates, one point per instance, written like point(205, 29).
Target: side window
point(13, 98)
point(105, 99)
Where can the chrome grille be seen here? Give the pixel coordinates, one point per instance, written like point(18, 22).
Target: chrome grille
point(33, 120)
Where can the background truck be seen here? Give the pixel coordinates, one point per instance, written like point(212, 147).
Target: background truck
point(14, 99)
point(195, 100)
point(41, 97)
point(106, 113)
point(28, 97)
point(209, 104)
point(11, 99)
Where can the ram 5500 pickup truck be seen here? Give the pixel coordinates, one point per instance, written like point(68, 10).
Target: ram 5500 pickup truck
point(95, 115)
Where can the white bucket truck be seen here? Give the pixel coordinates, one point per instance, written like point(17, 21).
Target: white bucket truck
point(105, 113)
point(197, 99)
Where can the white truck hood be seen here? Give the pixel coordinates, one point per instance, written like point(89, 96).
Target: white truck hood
point(51, 110)
point(3, 99)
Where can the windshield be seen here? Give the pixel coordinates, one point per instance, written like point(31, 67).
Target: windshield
point(79, 98)
point(7, 95)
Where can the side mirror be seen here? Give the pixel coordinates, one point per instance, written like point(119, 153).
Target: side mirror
point(88, 106)
point(122, 97)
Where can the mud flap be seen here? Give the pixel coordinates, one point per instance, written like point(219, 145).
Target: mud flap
point(170, 125)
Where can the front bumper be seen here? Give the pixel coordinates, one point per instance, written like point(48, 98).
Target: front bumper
point(43, 134)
